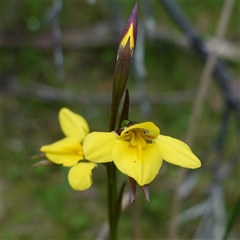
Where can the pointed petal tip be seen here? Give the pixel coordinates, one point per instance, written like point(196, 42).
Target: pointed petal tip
point(132, 190)
point(135, 9)
point(199, 164)
point(44, 163)
point(132, 198)
point(146, 193)
point(39, 155)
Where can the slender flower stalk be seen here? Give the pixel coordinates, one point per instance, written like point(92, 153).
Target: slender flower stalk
point(121, 72)
point(112, 200)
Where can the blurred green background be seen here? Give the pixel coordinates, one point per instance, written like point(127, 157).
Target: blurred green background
point(38, 203)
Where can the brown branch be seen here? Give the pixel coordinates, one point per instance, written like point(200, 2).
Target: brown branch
point(48, 93)
point(102, 34)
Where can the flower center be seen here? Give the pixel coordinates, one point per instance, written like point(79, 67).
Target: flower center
point(136, 137)
point(78, 150)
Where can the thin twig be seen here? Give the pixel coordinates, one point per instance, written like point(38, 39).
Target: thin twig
point(103, 34)
point(12, 87)
point(206, 74)
point(52, 15)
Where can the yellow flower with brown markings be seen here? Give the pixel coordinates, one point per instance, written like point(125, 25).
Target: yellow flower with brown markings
point(138, 151)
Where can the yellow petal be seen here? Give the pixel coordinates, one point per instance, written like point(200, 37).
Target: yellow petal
point(97, 146)
point(72, 124)
point(150, 129)
point(80, 175)
point(177, 152)
point(67, 151)
point(142, 164)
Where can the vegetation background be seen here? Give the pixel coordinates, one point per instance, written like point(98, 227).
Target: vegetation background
point(38, 203)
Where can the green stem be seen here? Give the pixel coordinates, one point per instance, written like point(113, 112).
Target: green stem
point(119, 84)
point(112, 196)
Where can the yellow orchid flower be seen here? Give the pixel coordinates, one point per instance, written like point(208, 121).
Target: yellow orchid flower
point(138, 151)
point(69, 152)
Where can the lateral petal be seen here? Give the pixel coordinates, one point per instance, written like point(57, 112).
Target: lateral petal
point(97, 146)
point(142, 164)
point(67, 151)
point(80, 175)
point(72, 124)
point(177, 152)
